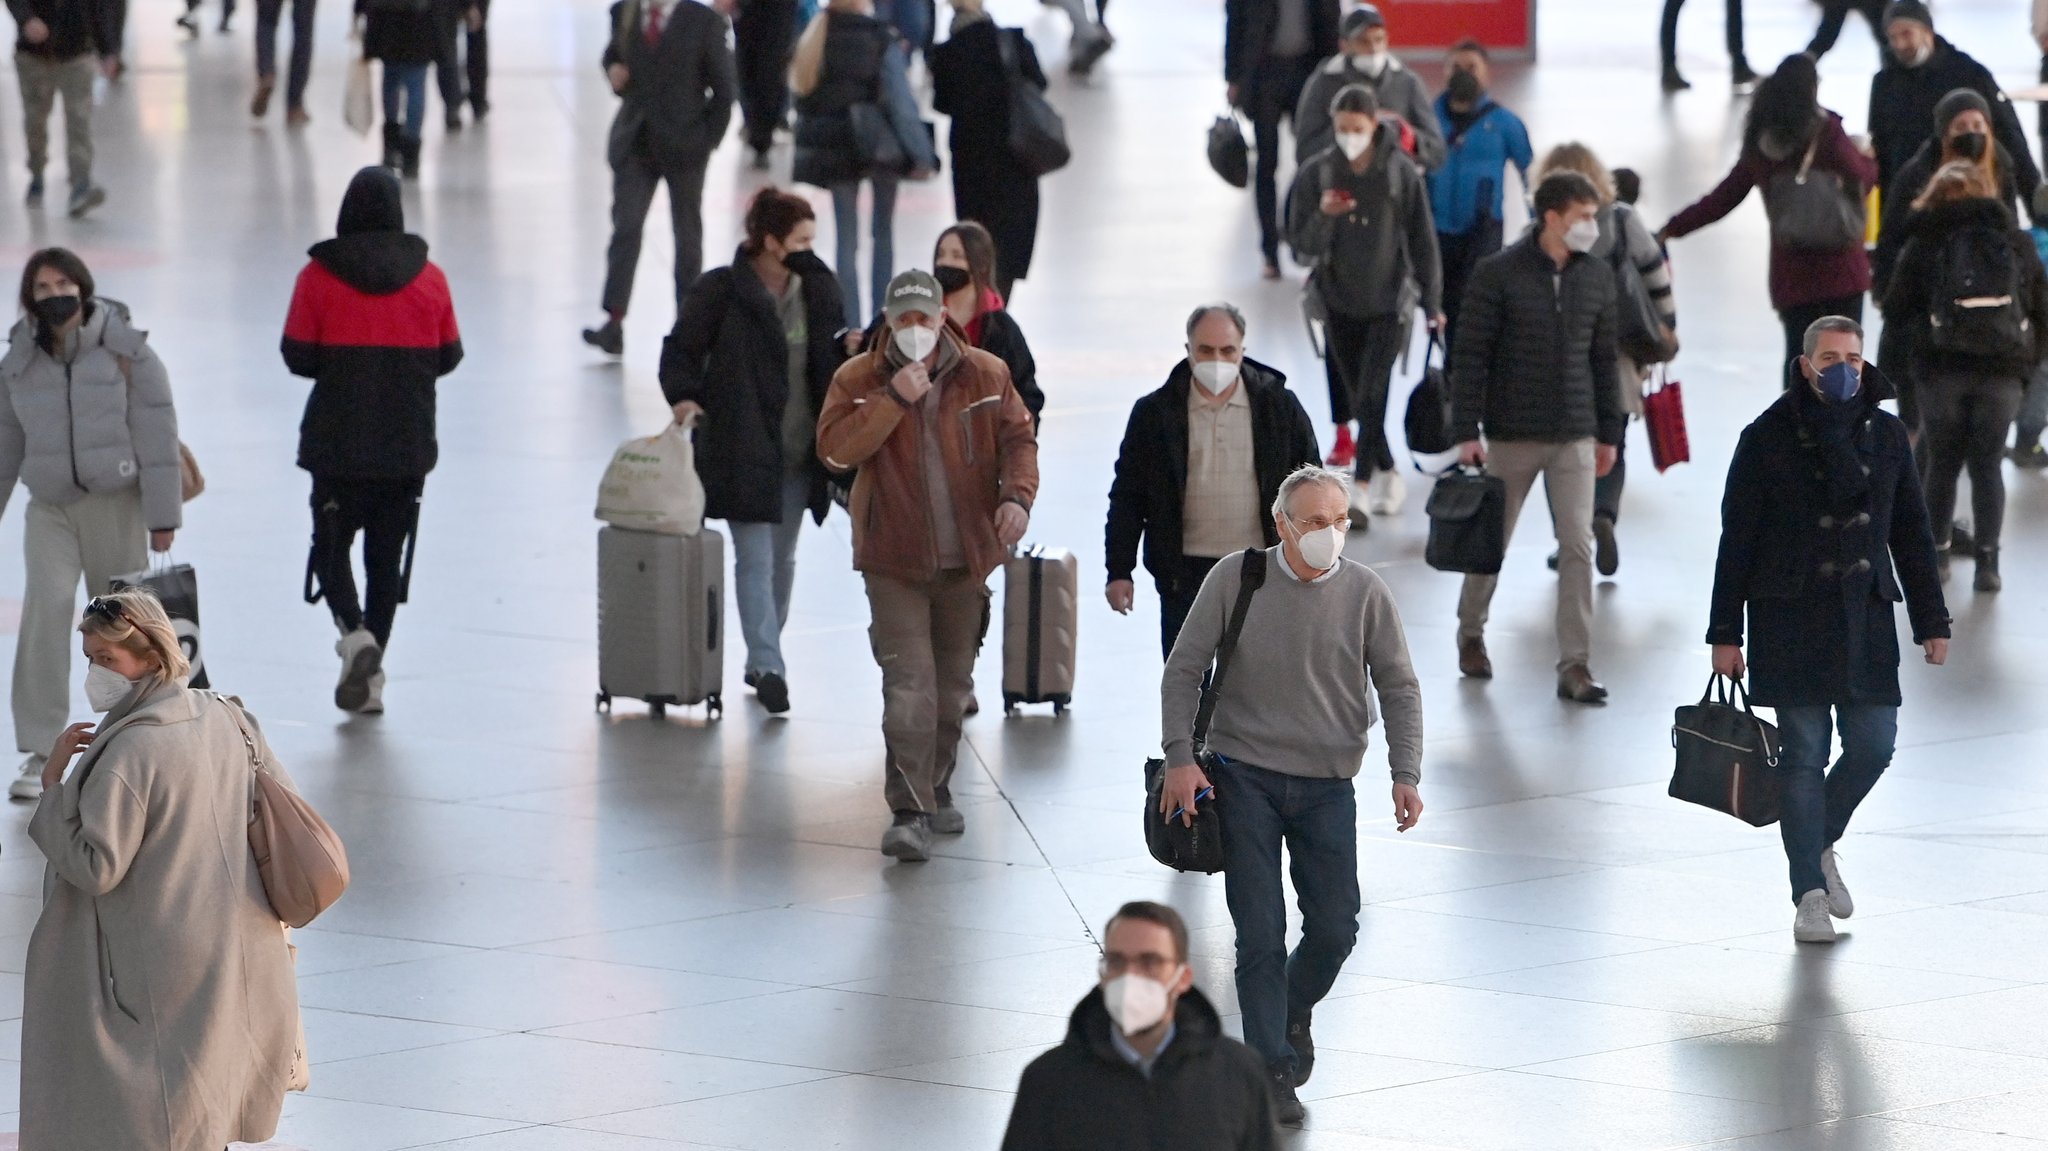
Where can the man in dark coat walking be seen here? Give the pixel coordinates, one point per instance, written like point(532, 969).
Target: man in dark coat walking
point(1920, 69)
point(1270, 49)
point(1202, 460)
point(1823, 505)
point(1145, 1062)
point(670, 65)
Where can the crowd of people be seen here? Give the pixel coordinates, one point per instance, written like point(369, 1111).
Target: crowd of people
point(916, 405)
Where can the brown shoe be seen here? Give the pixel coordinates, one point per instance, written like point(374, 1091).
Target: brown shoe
point(296, 117)
point(1576, 683)
point(1472, 660)
point(260, 102)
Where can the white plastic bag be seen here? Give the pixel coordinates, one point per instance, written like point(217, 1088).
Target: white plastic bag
point(652, 485)
point(358, 109)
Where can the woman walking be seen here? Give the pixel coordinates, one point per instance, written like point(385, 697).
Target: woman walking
point(408, 40)
point(753, 352)
point(971, 77)
point(1970, 363)
point(965, 263)
point(158, 1005)
point(1788, 131)
point(852, 98)
point(89, 428)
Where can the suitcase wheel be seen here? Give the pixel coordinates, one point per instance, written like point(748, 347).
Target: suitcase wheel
point(1011, 703)
point(657, 708)
point(714, 706)
point(1060, 704)
point(604, 702)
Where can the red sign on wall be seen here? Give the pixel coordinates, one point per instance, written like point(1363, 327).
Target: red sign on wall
point(1423, 26)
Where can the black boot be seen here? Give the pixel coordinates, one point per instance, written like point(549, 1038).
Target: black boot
point(394, 139)
point(409, 153)
point(1987, 571)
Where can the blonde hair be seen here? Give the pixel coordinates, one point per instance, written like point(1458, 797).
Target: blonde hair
point(1956, 180)
point(135, 622)
point(1573, 156)
point(807, 63)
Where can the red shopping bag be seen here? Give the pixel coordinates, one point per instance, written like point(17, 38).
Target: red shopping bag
point(1664, 419)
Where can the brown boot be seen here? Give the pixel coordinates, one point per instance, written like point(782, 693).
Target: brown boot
point(1472, 660)
point(1576, 683)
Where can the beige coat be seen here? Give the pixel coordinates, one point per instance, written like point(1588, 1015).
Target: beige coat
point(159, 1009)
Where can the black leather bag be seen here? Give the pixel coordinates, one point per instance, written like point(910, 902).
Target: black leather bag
point(1229, 155)
point(1727, 757)
point(1038, 137)
point(1199, 846)
point(1468, 523)
point(1813, 210)
point(875, 139)
point(1428, 420)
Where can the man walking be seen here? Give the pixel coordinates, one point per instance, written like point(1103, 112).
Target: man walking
point(1145, 1062)
point(669, 63)
point(60, 45)
point(1202, 460)
point(1269, 49)
point(464, 20)
point(764, 34)
point(1320, 634)
point(1364, 58)
point(1534, 369)
point(1481, 139)
point(1920, 69)
point(948, 467)
point(268, 15)
point(1823, 507)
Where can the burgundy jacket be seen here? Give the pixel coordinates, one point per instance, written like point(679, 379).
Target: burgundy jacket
point(1797, 277)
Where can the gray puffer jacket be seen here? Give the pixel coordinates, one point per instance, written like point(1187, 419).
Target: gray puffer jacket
point(79, 423)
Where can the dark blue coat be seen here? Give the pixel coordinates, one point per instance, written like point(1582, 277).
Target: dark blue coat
point(1819, 583)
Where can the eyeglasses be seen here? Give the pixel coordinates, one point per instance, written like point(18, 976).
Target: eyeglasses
point(1151, 965)
point(106, 608)
point(1306, 527)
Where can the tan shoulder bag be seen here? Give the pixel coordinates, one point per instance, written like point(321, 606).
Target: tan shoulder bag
point(298, 855)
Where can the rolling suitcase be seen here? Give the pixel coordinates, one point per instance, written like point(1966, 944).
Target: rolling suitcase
point(1041, 613)
point(661, 618)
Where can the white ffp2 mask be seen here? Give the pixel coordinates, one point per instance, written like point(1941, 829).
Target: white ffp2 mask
point(916, 341)
point(1134, 1002)
point(1216, 375)
point(1353, 144)
point(1320, 549)
point(105, 688)
point(1581, 237)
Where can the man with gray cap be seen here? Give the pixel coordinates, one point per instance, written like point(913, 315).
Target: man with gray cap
point(1363, 58)
point(1918, 72)
point(948, 470)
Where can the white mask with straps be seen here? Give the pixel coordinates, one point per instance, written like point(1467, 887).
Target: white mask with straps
point(1322, 548)
point(1135, 1003)
point(105, 688)
point(1353, 144)
point(1214, 376)
point(916, 341)
point(1581, 237)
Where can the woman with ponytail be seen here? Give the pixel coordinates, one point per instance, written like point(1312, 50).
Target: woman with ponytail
point(159, 1008)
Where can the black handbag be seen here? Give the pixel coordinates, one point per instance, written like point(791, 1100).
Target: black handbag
point(1468, 522)
point(1229, 155)
point(177, 589)
point(875, 139)
point(1428, 420)
point(1813, 210)
point(1639, 326)
point(1727, 757)
point(1199, 846)
point(1038, 137)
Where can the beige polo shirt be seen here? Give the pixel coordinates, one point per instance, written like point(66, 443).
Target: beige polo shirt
point(1220, 511)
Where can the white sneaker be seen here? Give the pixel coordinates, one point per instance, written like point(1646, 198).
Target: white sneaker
point(1839, 903)
point(374, 705)
point(361, 659)
point(29, 784)
point(1812, 924)
point(1361, 507)
point(1388, 493)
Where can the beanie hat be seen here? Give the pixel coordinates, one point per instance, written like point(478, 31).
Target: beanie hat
point(1956, 103)
point(1912, 10)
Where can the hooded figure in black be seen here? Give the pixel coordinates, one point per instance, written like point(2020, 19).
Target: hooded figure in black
point(373, 325)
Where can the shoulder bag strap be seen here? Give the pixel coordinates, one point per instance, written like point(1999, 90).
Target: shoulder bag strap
point(1007, 52)
point(1253, 575)
point(1806, 164)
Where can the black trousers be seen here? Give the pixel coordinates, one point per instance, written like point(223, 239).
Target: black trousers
point(1360, 361)
point(764, 34)
point(633, 184)
point(1268, 95)
point(1798, 319)
point(1460, 254)
point(1177, 597)
point(1834, 13)
point(1963, 424)
point(387, 514)
point(476, 54)
point(1668, 33)
point(268, 13)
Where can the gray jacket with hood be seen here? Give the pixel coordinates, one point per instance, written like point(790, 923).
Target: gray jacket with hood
point(76, 423)
point(1399, 90)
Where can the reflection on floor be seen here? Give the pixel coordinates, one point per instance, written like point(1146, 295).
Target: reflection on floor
point(579, 932)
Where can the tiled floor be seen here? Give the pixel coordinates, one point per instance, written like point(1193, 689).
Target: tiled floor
point(580, 933)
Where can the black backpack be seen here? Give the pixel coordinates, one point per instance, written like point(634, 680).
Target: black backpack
point(1975, 296)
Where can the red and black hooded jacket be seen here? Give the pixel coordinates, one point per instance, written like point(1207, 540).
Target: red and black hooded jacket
point(373, 325)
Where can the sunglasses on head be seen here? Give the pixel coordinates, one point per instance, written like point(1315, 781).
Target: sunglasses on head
point(106, 608)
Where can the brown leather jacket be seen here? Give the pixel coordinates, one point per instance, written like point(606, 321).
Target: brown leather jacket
point(987, 447)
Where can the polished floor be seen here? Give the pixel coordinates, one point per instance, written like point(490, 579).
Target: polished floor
point(572, 932)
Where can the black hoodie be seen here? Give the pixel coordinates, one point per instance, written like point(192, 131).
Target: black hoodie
point(1207, 1091)
point(1909, 299)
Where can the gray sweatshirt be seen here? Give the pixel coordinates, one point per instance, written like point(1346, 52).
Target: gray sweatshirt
point(1296, 700)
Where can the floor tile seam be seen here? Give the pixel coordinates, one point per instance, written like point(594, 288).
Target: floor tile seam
point(884, 918)
point(926, 997)
point(520, 946)
point(1527, 1069)
point(1900, 1117)
point(1918, 834)
point(1807, 1025)
point(314, 1092)
point(781, 988)
point(1658, 944)
point(822, 1072)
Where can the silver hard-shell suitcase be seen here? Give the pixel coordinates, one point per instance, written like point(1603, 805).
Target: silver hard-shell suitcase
point(661, 618)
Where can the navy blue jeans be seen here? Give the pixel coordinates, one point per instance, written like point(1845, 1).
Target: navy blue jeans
point(1318, 821)
point(1817, 803)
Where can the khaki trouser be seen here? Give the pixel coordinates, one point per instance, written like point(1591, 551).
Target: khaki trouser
point(42, 80)
point(99, 537)
point(925, 636)
point(1567, 471)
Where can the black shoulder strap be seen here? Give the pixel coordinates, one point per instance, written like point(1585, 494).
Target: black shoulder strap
point(1252, 576)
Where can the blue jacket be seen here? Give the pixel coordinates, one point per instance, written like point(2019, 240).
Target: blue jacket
point(1469, 183)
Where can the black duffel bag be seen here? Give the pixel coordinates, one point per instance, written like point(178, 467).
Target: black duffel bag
point(1229, 155)
point(1428, 420)
point(1468, 522)
point(1038, 137)
point(1727, 757)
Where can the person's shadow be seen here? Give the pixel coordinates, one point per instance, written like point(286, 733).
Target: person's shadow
point(1803, 1072)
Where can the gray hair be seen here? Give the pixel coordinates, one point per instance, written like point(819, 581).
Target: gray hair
point(1228, 310)
point(1829, 324)
point(1306, 475)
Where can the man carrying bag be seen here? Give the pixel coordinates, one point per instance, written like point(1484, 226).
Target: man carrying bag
point(1289, 732)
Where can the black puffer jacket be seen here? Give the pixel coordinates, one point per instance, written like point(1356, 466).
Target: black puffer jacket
point(1207, 1091)
point(1818, 582)
point(729, 355)
point(1915, 284)
point(1145, 500)
point(1534, 357)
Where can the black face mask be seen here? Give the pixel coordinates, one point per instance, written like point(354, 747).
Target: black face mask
point(56, 311)
point(792, 259)
point(951, 279)
point(1463, 88)
point(1969, 145)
